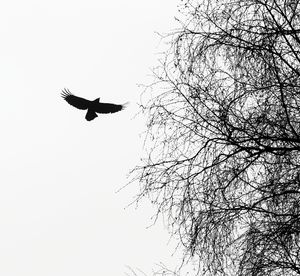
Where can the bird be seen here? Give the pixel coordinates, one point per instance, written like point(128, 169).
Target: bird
point(93, 107)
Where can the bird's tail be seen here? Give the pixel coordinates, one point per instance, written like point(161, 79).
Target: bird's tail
point(90, 115)
point(124, 105)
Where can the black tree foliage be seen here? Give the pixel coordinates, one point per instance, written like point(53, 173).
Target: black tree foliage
point(93, 107)
point(224, 136)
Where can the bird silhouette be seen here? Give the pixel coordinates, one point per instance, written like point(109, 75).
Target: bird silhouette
point(93, 107)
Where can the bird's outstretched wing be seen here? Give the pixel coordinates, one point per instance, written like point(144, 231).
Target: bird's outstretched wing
point(75, 101)
point(109, 107)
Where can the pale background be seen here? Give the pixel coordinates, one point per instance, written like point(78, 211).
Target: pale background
point(59, 210)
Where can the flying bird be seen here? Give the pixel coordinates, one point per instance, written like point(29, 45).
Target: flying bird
point(93, 107)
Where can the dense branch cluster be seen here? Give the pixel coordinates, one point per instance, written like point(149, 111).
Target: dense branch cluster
point(224, 136)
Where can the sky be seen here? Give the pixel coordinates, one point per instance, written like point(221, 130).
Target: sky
point(60, 212)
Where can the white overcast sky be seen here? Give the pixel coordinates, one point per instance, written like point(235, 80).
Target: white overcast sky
point(59, 211)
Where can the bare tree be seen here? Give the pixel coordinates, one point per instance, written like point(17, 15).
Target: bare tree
point(224, 136)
